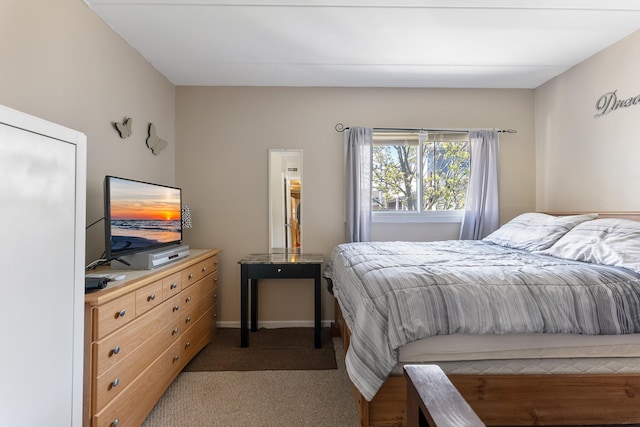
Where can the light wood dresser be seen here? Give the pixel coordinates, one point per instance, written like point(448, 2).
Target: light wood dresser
point(140, 332)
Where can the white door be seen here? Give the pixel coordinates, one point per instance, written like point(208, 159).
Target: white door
point(42, 220)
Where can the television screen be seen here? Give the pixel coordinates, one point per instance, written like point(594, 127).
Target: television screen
point(140, 216)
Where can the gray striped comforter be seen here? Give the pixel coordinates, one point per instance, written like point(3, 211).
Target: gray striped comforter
point(392, 293)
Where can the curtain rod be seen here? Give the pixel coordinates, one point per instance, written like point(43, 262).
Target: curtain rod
point(341, 128)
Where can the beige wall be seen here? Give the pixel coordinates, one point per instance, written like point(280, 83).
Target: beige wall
point(586, 163)
point(62, 63)
point(225, 134)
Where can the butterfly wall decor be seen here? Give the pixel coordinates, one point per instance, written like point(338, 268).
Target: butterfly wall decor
point(155, 143)
point(124, 128)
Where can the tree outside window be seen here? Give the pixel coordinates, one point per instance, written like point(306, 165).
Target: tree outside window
point(439, 180)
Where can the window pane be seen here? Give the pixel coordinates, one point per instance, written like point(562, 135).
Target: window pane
point(445, 168)
point(394, 175)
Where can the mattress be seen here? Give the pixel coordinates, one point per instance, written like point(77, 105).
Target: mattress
point(581, 366)
point(523, 354)
point(461, 347)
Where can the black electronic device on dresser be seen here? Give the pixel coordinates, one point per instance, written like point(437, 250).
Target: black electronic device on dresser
point(93, 283)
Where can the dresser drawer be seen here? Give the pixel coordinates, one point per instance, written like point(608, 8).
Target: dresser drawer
point(133, 404)
point(171, 285)
point(193, 293)
point(190, 275)
point(199, 335)
point(196, 272)
point(110, 384)
point(208, 265)
point(113, 315)
point(194, 310)
point(148, 297)
point(114, 348)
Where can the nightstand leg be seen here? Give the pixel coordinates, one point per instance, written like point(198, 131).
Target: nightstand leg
point(254, 305)
point(317, 309)
point(244, 309)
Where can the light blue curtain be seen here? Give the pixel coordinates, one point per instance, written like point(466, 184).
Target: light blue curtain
point(481, 214)
point(358, 164)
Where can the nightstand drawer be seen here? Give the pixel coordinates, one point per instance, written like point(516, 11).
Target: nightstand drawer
point(286, 271)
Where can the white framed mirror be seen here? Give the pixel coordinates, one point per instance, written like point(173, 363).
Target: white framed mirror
point(285, 200)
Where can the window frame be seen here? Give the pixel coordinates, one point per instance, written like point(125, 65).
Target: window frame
point(404, 217)
point(419, 215)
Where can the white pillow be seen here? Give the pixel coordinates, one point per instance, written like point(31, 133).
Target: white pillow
point(535, 231)
point(608, 241)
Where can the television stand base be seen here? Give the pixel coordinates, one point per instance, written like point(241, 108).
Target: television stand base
point(151, 259)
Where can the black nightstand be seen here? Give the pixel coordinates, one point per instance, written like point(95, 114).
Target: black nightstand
point(276, 266)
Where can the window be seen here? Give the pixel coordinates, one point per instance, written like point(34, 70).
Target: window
point(404, 188)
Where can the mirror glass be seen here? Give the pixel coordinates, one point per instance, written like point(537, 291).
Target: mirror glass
point(285, 200)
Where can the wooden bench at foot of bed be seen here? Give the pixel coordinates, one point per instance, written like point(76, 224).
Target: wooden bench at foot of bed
point(517, 400)
point(433, 401)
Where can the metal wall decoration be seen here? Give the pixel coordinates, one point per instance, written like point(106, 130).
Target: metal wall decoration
point(609, 102)
point(155, 143)
point(124, 127)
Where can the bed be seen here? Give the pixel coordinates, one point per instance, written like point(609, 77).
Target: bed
point(537, 324)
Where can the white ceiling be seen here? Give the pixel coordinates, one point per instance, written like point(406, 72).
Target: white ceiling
point(368, 43)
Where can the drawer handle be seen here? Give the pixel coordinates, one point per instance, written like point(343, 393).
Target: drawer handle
point(279, 270)
point(174, 285)
point(175, 331)
point(175, 358)
point(215, 280)
point(176, 307)
point(204, 269)
point(190, 276)
point(116, 350)
point(187, 320)
point(121, 313)
point(188, 344)
point(215, 314)
point(188, 299)
point(115, 423)
point(115, 382)
point(152, 297)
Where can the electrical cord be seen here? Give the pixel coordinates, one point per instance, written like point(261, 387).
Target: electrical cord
point(94, 223)
point(93, 264)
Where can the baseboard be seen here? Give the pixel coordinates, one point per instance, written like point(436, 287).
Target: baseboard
point(273, 324)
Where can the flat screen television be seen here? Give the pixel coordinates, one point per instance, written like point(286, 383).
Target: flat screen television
point(140, 216)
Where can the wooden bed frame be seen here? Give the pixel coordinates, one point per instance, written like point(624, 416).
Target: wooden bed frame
point(519, 400)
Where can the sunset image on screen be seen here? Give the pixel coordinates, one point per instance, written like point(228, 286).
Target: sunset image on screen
point(146, 211)
point(142, 214)
point(140, 202)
